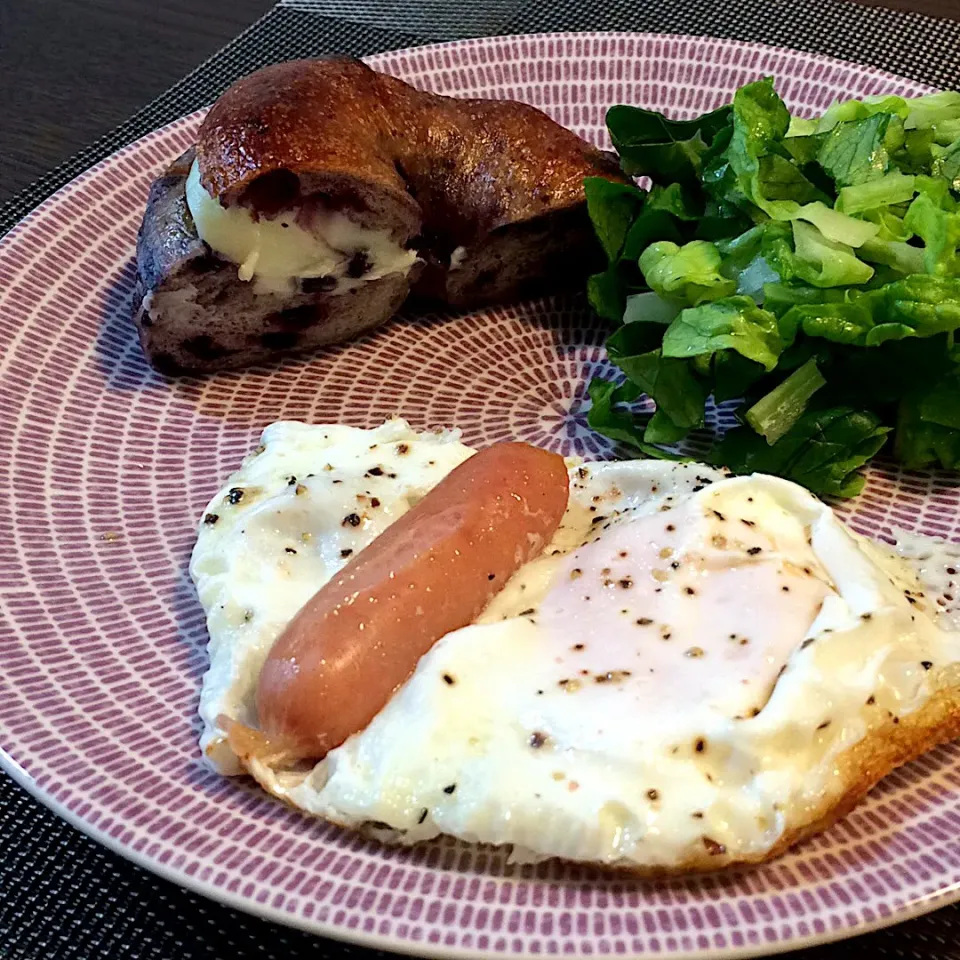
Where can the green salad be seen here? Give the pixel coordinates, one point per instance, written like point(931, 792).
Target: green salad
point(808, 268)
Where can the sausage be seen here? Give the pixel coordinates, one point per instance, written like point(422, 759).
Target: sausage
point(361, 635)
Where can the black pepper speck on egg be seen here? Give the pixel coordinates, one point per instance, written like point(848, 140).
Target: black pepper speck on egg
point(713, 848)
point(210, 519)
point(351, 520)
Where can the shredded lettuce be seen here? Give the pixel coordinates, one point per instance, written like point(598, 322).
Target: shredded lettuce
point(807, 267)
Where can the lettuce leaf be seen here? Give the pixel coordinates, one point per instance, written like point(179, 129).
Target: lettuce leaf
point(687, 275)
point(946, 164)
point(917, 306)
point(882, 192)
point(607, 418)
point(612, 208)
point(667, 151)
point(928, 426)
point(938, 225)
point(625, 224)
point(733, 174)
point(734, 323)
point(668, 381)
point(677, 200)
point(799, 251)
point(649, 307)
point(847, 110)
point(822, 451)
point(932, 109)
point(855, 151)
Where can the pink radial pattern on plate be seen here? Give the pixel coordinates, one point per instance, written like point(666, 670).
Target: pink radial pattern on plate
point(107, 465)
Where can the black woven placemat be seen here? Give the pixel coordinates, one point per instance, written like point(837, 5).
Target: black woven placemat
point(62, 895)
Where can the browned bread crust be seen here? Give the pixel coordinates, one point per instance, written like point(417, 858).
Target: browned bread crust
point(499, 180)
point(463, 167)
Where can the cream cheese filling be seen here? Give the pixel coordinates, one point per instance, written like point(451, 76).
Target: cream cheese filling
point(276, 253)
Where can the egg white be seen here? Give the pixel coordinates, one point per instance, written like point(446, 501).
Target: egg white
point(298, 508)
point(676, 673)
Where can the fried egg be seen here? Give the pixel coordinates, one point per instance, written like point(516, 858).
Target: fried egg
point(698, 670)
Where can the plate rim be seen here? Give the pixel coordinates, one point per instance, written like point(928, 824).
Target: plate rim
point(408, 947)
point(912, 909)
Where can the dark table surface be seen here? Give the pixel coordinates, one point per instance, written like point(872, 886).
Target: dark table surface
point(69, 72)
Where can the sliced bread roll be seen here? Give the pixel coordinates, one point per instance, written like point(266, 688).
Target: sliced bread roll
point(320, 194)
